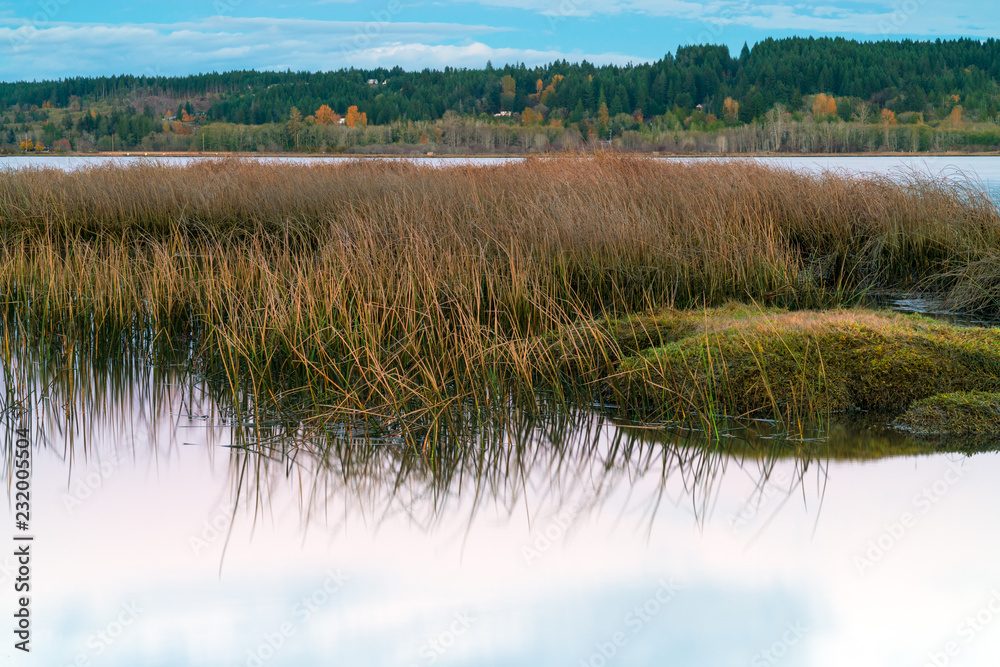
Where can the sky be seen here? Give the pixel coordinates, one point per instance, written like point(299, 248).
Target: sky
point(47, 39)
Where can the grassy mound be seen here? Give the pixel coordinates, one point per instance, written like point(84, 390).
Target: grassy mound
point(798, 364)
point(958, 413)
point(380, 289)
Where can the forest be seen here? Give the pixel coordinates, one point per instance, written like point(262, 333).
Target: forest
point(795, 94)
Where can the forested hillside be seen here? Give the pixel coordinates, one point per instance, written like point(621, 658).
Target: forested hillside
point(699, 88)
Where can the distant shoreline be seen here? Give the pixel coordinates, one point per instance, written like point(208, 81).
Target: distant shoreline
point(464, 156)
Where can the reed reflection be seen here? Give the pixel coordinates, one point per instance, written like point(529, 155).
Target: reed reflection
point(92, 396)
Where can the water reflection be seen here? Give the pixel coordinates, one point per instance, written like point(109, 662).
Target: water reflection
point(87, 405)
point(229, 536)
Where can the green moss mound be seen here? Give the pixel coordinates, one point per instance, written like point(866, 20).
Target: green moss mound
point(739, 362)
point(595, 349)
point(958, 413)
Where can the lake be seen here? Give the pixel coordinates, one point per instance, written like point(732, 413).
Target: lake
point(167, 533)
point(984, 168)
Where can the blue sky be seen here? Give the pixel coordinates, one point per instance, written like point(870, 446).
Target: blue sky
point(59, 38)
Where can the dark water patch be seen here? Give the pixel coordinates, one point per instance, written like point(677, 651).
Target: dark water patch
point(932, 306)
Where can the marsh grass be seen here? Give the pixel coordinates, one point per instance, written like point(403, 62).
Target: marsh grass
point(381, 292)
point(106, 395)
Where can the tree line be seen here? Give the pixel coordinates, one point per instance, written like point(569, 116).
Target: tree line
point(903, 76)
point(796, 95)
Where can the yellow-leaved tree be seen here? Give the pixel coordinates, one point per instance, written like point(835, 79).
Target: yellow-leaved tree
point(731, 110)
point(327, 116)
point(824, 106)
point(355, 118)
point(955, 117)
point(887, 119)
point(551, 88)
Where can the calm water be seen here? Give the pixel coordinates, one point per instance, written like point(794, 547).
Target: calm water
point(70, 163)
point(165, 538)
point(552, 541)
point(982, 168)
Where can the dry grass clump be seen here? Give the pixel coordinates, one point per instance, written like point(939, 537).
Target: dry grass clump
point(975, 285)
point(389, 288)
point(797, 364)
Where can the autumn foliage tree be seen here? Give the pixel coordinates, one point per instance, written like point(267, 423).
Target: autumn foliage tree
point(824, 106)
point(355, 118)
point(731, 110)
point(955, 117)
point(327, 116)
point(551, 88)
point(887, 119)
point(602, 115)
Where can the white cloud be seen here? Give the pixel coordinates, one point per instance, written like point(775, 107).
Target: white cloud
point(865, 17)
point(914, 18)
point(674, 8)
point(476, 54)
point(56, 49)
point(67, 49)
